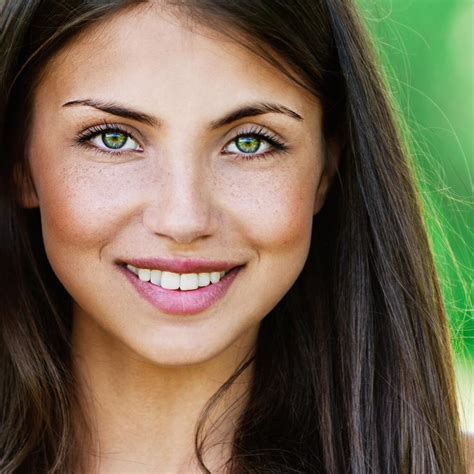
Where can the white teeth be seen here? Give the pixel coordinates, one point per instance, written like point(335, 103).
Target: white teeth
point(215, 277)
point(174, 281)
point(170, 280)
point(144, 274)
point(189, 281)
point(204, 279)
point(156, 277)
point(133, 269)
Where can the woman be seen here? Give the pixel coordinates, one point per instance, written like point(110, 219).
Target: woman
point(213, 255)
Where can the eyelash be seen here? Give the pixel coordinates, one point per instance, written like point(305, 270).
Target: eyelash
point(277, 145)
point(83, 138)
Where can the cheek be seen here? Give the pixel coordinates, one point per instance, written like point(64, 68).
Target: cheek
point(276, 206)
point(81, 207)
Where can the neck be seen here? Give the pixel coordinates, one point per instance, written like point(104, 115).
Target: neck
point(142, 417)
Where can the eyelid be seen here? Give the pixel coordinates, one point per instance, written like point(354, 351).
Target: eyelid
point(255, 128)
point(104, 125)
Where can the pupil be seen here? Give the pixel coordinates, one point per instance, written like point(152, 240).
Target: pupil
point(114, 139)
point(248, 144)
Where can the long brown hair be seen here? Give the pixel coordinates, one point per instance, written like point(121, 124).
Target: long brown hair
point(353, 369)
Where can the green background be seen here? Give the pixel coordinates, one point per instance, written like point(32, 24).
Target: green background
point(426, 48)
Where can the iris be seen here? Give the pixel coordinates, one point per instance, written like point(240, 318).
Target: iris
point(248, 144)
point(114, 140)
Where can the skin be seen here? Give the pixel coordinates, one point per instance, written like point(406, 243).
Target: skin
point(143, 371)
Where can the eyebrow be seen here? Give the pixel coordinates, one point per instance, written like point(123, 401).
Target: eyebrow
point(115, 109)
point(249, 110)
point(254, 110)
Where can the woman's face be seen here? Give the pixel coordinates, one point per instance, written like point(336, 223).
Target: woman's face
point(133, 163)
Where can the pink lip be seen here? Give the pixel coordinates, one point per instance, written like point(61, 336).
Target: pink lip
point(182, 302)
point(175, 265)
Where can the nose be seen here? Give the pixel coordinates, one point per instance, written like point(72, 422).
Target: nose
point(182, 205)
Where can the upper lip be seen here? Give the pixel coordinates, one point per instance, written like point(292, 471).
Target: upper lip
point(175, 265)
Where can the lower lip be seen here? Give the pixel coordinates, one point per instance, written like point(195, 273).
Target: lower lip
point(182, 302)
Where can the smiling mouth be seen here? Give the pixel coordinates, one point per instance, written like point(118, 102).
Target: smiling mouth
point(177, 281)
point(180, 293)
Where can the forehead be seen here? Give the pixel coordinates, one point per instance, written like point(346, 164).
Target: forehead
point(150, 56)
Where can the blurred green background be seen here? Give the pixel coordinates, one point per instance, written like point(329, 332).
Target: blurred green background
point(427, 51)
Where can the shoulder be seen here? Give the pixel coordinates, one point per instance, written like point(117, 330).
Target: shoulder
point(469, 444)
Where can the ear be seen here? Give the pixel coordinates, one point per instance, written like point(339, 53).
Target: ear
point(27, 195)
point(332, 151)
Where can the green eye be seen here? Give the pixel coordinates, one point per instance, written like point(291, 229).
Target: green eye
point(252, 145)
point(111, 140)
point(248, 144)
point(114, 140)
